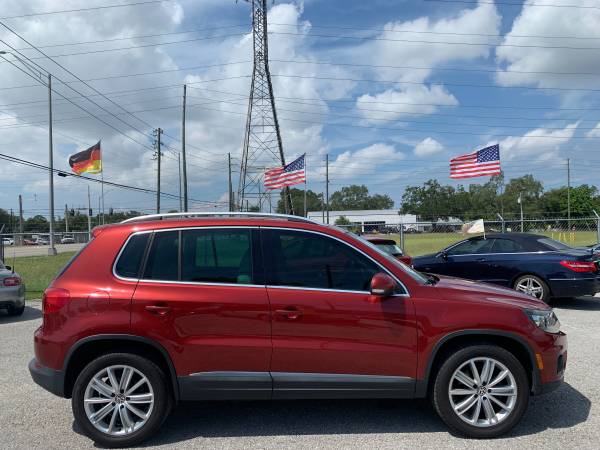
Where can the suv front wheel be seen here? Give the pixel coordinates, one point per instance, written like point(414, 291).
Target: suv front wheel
point(120, 399)
point(481, 391)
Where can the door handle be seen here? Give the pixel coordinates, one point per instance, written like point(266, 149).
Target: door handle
point(481, 260)
point(158, 310)
point(289, 313)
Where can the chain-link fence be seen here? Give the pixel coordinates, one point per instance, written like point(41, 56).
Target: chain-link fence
point(31, 239)
point(419, 238)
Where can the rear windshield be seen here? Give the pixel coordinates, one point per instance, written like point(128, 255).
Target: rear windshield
point(553, 244)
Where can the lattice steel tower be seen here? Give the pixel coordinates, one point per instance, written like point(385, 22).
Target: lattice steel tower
point(262, 142)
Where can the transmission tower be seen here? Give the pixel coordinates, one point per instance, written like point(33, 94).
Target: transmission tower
point(262, 142)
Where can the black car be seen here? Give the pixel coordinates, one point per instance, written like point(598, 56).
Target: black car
point(531, 263)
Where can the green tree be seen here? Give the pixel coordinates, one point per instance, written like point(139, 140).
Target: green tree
point(313, 201)
point(36, 224)
point(432, 201)
point(357, 197)
point(342, 221)
point(530, 190)
point(584, 199)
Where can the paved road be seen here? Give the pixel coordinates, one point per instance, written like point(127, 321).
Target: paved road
point(31, 418)
point(37, 250)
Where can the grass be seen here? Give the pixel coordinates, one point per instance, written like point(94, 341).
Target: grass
point(38, 271)
point(421, 244)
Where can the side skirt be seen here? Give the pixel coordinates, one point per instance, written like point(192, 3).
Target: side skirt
point(283, 385)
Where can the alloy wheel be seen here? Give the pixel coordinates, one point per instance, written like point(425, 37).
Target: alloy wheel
point(530, 286)
point(118, 400)
point(483, 392)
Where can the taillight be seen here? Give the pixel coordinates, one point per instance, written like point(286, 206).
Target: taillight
point(54, 299)
point(11, 281)
point(579, 266)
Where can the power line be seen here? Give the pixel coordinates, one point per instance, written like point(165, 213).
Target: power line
point(93, 8)
point(520, 4)
point(81, 177)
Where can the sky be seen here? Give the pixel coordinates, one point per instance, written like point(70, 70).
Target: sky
point(389, 89)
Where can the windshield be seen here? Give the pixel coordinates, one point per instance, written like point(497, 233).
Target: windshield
point(553, 244)
point(417, 276)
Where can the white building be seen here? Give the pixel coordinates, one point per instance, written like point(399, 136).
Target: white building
point(368, 220)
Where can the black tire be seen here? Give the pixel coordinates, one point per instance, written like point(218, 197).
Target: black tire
point(441, 396)
point(13, 311)
point(162, 399)
point(546, 298)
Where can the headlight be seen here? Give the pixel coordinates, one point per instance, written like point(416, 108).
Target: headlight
point(544, 319)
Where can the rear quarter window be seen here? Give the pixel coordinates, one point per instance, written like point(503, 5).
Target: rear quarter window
point(130, 259)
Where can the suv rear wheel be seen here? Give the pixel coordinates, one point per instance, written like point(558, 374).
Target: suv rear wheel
point(481, 391)
point(120, 399)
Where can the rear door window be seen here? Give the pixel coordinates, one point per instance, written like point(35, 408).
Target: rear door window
point(506, 246)
point(217, 256)
point(128, 265)
point(163, 257)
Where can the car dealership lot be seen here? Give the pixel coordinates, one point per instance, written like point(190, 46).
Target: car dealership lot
point(568, 418)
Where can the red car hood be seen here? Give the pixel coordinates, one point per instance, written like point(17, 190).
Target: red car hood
point(450, 287)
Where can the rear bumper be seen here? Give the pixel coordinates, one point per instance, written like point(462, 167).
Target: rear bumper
point(13, 296)
point(575, 287)
point(50, 379)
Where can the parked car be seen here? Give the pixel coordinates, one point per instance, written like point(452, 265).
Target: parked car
point(12, 291)
point(29, 242)
point(169, 308)
point(534, 264)
point(42, 241)
point(8, 241)
point(67, 239)
point(390, 247)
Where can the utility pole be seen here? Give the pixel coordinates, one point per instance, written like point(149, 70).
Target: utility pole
point(230, 186)
point(569, 193)
point(179, 167)
point(89, 215)
point(66, 219)
point(51, 249)
point(185, 187)
point(327, 186)
point(521, 204)
point(157, 154)
point(21, 227)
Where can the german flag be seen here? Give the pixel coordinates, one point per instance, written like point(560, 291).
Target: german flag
point(87, 161)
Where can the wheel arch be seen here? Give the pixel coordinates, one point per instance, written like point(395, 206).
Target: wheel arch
point(533, 273)
point(87, 349)
point(453, 341)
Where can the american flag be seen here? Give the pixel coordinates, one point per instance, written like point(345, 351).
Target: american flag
point(289, 175)
point(481, 163)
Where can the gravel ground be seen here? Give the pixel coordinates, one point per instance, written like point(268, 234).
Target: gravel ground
point(31, 418)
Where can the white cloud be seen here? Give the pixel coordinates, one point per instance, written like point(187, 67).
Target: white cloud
point(394, 104)
point(537, 145)
point(525, 57)
point(428, 147)
point(421, 59)
point(362, 162)
point(594, 132)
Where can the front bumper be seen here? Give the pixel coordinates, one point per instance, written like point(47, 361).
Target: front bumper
point(50, 379)
point(551, 363)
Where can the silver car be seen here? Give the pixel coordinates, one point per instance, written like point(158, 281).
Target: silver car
point(12, 291)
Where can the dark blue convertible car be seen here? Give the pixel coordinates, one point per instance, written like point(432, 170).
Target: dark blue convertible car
point(534, 264)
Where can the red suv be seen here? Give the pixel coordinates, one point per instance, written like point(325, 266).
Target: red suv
point(170, 308)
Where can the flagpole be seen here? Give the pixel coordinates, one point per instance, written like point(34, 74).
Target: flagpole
point(305, 172)
point(102, 178)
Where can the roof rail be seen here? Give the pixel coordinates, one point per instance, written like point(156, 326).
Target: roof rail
point(186, 215)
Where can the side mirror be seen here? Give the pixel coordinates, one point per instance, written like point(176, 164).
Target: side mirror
point(382, 285)
point(442, 255)
point(8, 267)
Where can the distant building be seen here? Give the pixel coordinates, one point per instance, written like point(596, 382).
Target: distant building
point(369, 220)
